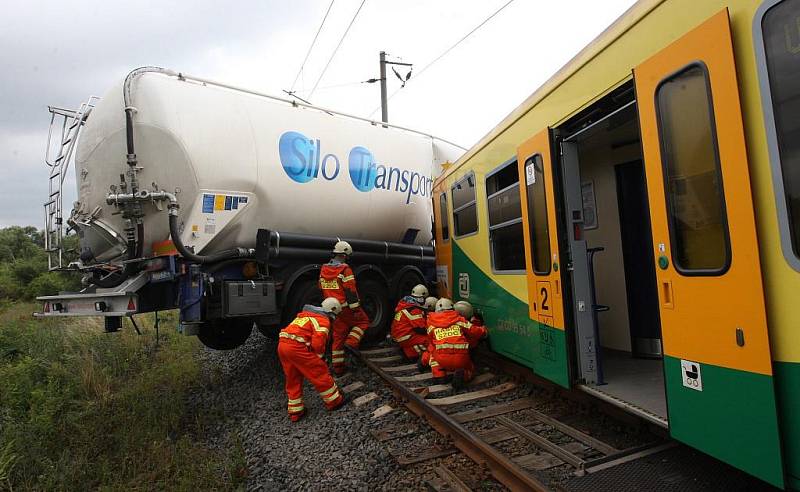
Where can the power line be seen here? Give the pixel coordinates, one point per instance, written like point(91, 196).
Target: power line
point(337, 48)
point(302, 65)
point(336, 86)
point(448, 50)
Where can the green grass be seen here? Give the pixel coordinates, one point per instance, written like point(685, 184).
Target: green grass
point(81, 409)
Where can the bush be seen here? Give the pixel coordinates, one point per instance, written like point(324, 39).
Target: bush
point(81, 409)
point(23, 270)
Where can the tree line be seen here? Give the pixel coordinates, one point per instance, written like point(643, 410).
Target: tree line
point(23, 265)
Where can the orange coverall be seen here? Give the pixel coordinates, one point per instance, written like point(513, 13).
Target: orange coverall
point(336, 279)
point(450, 337)
point(301, 346)
point(409, 326)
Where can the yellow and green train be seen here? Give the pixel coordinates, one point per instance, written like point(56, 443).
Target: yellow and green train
point(632, 229)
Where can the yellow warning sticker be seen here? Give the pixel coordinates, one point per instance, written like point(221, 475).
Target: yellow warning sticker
point(219, 202)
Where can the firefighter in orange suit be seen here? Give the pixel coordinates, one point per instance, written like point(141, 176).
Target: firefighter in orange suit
point(301, 346)
point(449, 336)
point(336, 280)
point(409, 325)
point(466, 311)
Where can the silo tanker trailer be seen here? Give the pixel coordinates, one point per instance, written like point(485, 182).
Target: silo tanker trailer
point(223, 203)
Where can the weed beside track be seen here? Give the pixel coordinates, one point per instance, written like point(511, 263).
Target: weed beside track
point(81, 409)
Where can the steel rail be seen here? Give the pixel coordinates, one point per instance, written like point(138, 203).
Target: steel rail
point(502, 467)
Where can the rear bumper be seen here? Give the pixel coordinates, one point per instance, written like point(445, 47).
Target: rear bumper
point(119, 301)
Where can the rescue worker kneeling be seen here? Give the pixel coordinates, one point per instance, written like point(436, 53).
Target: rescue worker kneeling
point(466, 311)
point(449, 336)
point(336, 280)
point(301, 347)
point(409, 325)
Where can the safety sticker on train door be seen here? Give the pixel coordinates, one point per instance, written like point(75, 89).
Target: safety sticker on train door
point(691, 375)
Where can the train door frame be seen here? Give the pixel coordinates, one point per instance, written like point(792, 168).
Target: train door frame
point(583, 296)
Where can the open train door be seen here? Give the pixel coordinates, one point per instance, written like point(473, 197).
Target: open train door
point(717, 362)
point(539, 225)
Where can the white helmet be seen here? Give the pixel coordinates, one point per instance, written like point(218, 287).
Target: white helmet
point(419, 290)
point(331, 305)
point(430, 303)
point(444, 304)
point(343, 248)
point(464, 309)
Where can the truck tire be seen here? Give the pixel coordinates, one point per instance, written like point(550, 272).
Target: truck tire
point(375, 301)
point(225, 334)
point(406, 282)
point(303, 292)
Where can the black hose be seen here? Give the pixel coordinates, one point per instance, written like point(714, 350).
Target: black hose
point(202, 259)
point(129, 136)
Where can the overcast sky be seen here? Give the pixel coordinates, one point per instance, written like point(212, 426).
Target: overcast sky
point(58, 53)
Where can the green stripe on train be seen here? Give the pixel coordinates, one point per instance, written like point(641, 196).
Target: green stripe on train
point(511, 331)
point(732, 418)
point(787, 384)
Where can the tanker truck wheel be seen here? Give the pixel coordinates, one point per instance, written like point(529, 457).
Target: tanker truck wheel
point(225, 334)
point(375, 301)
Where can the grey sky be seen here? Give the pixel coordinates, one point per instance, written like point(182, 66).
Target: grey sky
point(61, 52)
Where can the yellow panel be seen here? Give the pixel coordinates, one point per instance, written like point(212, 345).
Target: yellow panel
point(541, 288)
point(700, 314)
point(219, 202)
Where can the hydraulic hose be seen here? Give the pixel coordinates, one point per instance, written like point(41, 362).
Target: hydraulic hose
point(202, 259)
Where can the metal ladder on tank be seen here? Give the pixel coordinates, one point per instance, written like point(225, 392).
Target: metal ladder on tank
point(58, 157)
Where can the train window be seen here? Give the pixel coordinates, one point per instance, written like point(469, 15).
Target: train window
point(505, 219)
point(781, 32)
point(693, 181)
point(537, 215)
point(443, 217)
point(465, 214)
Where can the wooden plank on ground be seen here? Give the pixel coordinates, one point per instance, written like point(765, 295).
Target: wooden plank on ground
point(412, 457)
point(394, 432)
point(415, 377)
point(480, 379)
point(363, 399)
point(455, 483)
point(493, 410)
point(382, 410)
point(407, 367)
point(575, 433)
point(387, 360)
point(472, 396)
point(542, 442)
point(353, 386)
point(344, 377)
point(544, 460)
point(379, 351)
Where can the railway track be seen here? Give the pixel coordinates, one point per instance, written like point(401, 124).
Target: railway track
point(499, 431)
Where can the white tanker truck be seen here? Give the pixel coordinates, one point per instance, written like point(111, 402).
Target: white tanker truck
point(223, 202)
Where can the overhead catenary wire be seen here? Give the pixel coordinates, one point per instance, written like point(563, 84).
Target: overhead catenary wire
point(322, 74)
point(338, 86)
point(310, 48)
point(448, 50)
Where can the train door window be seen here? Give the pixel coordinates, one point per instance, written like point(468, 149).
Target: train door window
point(465, 210)
point(693, 181)
point(443, 219)
point(505, 219)
point(780, 28)
point(537, 215)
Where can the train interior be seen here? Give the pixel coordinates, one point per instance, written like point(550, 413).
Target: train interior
point(616, 228)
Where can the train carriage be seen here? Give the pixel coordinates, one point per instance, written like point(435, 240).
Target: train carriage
point(632, 229)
